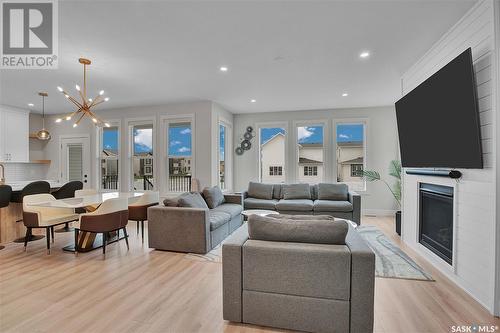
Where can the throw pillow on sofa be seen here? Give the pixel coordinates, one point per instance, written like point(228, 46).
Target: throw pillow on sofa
point(297, 231)
point(296, 191)
point(260, 191)
point(192, 200)
point(171, 202)
point(339, 192)
point(213, 196)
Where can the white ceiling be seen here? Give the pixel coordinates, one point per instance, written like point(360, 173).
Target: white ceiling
point(286, 55)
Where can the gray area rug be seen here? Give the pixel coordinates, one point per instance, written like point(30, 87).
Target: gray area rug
point(390, 260)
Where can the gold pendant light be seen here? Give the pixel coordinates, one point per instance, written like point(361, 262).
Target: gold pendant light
point(43, 134)
point(85, 105)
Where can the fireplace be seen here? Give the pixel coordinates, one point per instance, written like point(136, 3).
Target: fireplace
point(436, 220)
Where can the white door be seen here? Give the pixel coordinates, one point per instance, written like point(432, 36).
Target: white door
point(15, 134)
point(75, 160)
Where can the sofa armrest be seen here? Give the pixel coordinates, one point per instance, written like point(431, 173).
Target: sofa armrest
point(232, 281)
point(362, 282)
point(234, 198)
point(179, 229)
point(355, 199)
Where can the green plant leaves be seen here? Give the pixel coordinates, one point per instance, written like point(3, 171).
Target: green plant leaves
point(371, 175)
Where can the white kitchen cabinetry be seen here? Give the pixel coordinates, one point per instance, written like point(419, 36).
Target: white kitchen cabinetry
point(14, 135)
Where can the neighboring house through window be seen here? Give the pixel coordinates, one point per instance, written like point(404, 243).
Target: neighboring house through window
point(350, 154)
point(275, 171)
point(356, 170)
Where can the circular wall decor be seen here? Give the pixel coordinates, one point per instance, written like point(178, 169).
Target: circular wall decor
point(248, 136)
point(249, 129)
point(239, 151)
point(246, 144)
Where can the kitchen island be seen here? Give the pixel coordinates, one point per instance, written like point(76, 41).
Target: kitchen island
point(9, 228)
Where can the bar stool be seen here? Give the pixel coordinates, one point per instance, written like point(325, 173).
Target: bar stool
point(64, 192)
point(110, 216)
point(44, 217)
point(5, 195)
point(138, 211)
point(37, 187)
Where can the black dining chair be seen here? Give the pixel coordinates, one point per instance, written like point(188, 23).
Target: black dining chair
point(64, 192)
point(5, 195)
point(36, 187)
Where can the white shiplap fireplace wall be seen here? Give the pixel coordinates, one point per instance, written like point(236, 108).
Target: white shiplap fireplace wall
point(475, 194)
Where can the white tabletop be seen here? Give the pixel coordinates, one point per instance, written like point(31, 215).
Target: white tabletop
point(88, 200)
point(20, 184)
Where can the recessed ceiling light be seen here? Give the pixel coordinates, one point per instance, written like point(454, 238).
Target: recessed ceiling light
point(223, 69)
point(31, 104)
point(345, 94)
point(253, 101)
point(364, 54)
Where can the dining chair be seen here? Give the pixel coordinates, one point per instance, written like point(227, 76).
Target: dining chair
point(83, 193)
point(5, 195)
point(44, 217)
point(36, 187)
point(110, 216)
point(64, 192)
point(138, 211)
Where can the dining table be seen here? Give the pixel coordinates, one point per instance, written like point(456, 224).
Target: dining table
point(88, 241)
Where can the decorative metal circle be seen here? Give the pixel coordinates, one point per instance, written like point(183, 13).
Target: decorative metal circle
point(248, 136)
point(239, 151)
point(249, 129)
point(246, 145)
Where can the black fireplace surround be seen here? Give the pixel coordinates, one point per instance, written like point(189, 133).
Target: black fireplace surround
point(436, 220)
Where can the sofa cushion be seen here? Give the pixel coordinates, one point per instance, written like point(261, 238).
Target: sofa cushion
point(296, 191)
point(301, 217)
point(254, 203)
point(260, 191)
point(332, 206)
point(217, 219)
point(213, 196)
point(171, 202)
point(192, 200)
point(229, 208)
point(333, 192)
point(297, 205)
point(277, 191)
point(297, 231)
point(314, 191)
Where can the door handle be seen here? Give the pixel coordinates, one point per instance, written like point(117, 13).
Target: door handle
point(85, 181)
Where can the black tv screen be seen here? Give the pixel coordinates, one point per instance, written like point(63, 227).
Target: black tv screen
point(438, 121)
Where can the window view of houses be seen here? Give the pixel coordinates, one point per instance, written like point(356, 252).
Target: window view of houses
point(179, 157)
point(109, 158)
point(142, 159)
point(272, 154)
point(350, 155)
point(222, 153)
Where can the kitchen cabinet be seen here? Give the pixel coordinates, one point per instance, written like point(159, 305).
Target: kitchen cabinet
point(14, 135)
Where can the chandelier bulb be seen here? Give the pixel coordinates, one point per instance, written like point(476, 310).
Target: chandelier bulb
point(101, 92)
point(68, 118)
point(77, 87)
point(74, 125)
point(60, 89)
point(58, 120)
point(107, 125)
point(106, 99)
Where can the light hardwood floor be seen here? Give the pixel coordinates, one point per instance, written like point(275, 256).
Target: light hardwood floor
point(152, 291)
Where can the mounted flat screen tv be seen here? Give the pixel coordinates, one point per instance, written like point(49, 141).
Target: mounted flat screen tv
point(438, 121)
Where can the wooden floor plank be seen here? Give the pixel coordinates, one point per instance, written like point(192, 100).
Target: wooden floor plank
point(142, 290)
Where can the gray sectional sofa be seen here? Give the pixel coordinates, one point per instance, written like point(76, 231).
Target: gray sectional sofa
point(312, 282)
point(304, 199)
point(193, 222)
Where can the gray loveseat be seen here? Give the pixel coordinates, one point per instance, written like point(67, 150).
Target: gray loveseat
point(192, 229)
point(304, 199)
point(301, 286)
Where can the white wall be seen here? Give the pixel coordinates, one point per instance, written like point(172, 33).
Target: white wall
point(202, 112)
point(475, 193)
point(382, 147)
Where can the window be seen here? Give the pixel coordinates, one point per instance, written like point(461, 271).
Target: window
point(356, 170)
point(275, 171)
point(310, 154)
point(142, 157)
point(310, 170)
point(350, 154)
point(272, 142)
point(179, 155)
point(222, 155)
point(109, 158)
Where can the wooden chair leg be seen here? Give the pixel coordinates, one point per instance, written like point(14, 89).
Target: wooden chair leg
point(142, 230)
point(52, 234)
point(47, 231)
point(137, 227)
point(126, 237)
point(104, 241)
point(26, 238)
point(76, 242)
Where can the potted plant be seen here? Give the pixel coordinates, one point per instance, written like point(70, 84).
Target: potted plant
point(394, 171)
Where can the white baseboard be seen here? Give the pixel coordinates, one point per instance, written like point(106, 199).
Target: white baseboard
point(378, 212)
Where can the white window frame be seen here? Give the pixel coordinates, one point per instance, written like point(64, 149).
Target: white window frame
point(326, 146)
point(272, 124)
point(228, 155)
point(351, 121)
point(99, 142)
point(165, 121)
point(131, 122)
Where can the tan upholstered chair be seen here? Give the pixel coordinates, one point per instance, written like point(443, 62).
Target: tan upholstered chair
point(110, 216)
point(83, 193)
point(44, 217)
point(138, 211)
